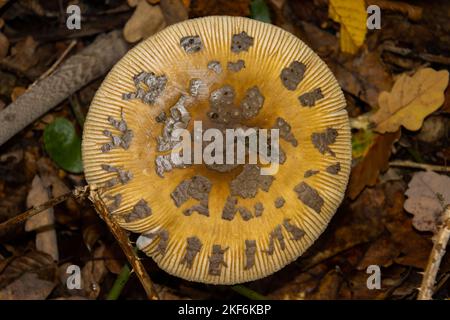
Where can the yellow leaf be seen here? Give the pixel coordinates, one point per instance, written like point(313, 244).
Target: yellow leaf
point(352, 16)
point(410, 100)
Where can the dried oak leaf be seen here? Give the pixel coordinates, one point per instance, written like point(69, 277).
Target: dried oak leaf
point(145, 21)
point(366, 171)
point(428, 193)
point(23, 55)
point(352, 16)
point(31, 276)
point(410, 100)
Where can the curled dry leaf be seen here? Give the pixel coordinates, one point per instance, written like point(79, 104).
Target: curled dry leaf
point(145, 21)
point(428, 194)
point(31, 276)
point(366, 171)
point(352, 16)
point(410, 100)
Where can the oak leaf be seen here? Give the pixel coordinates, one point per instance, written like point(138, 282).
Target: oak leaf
point(145, 21)
point(352, 16)
point(367, 170)
point(428, 194)
point(410, 100)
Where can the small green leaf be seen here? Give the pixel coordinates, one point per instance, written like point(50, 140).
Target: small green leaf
point(362, 140)
point(260, 11)
point(63, 145)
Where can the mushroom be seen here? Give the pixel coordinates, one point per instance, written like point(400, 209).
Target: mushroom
point(219, 223)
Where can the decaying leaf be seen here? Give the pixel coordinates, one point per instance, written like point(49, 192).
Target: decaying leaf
point(31, 276)
point(145, 21)
point(411, 100)
point(93, 273)
point(23, 55)
point(366, 171)
point(43, 221)
point(352, 16)
point(428, 194)
point(362, 141)
point(174, 11)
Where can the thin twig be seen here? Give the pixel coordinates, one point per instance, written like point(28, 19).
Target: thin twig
point(76, 193)
point(124, 243)
point(415, 165)
point(58, 61)
point(434, 261)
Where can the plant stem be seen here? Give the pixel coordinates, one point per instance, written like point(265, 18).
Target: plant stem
point(415, 165)
point(120, 283)
point(248, 293)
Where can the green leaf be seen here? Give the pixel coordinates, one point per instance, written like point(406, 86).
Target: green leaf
point(63, 145)
point(362, 140)
point(260, 11)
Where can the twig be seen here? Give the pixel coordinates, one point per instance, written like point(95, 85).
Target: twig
point(77, 193)
point(405, 52)
point(249, 293)
point(120, 283)
point(74, 73)
point(434, 261)
point(415, 165)
point(124, 243)
point(58, 61)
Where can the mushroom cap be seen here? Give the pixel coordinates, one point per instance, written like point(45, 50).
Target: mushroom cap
point(120, 147)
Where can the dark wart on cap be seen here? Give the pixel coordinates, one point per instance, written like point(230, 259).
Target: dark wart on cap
point(226, 221)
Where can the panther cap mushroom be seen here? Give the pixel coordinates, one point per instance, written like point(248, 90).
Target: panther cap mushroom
point(219, 223)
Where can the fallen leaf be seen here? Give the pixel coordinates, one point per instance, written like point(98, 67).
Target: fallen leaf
point(428, 193)
point(17, 92)
point(31, 276)
point(434, 128)
point(93, 273)
point(23, 55)
point(352, 16)
point(145, 21)
point(362, 141)
point(366, 171)
point(381, 252)
point(364, 76)
point(4, 46)
point(42, 222)
point(411, 100)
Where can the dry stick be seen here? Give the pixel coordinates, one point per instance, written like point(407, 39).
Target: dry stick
point(127, 248)
point(76, 193)
point(77, 71)
point(415, 165)
point(438, 251)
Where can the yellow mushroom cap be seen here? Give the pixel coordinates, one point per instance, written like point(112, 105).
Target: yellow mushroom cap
point(240, 237)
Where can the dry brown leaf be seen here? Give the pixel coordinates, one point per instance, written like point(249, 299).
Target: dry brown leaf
point(17, 92)
point(428, 194)
point(31, 276)
point(381, 252)
point(42, 222)
point(366, 171)
point(23, 55)
point(410, 100)
point(145, 21)
point(4, 46)
point(133, 3)
point(93, 273)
